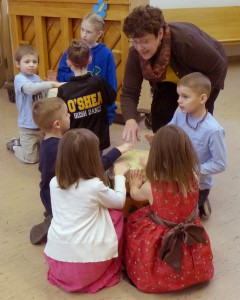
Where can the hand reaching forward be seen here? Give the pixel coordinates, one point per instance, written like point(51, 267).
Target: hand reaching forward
point(56, 84)
point(125, 147)
point(136, 178)
point(121, 168)
point(149, 138)
point(131, 131)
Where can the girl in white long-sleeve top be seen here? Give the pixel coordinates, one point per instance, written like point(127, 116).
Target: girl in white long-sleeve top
point(83, 249)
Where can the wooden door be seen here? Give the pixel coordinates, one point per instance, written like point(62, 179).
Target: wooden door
point(2, 60)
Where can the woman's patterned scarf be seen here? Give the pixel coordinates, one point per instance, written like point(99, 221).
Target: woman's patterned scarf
point(155, 69)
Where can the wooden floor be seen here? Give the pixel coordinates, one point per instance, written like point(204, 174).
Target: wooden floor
point(23, 271)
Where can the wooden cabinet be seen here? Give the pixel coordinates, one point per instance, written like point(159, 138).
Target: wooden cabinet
point(50, 25)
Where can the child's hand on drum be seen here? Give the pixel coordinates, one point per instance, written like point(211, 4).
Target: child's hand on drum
point(125, 147)
point(149, 137)
point(136, 178)
point(121, 168)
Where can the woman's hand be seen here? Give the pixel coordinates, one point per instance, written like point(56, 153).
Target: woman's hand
point(131, 131)
point(149, 138)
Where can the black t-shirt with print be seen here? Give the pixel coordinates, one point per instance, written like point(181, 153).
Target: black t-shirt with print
point(87, 98)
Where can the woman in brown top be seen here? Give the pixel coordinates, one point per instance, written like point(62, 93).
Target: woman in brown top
point(158, 49)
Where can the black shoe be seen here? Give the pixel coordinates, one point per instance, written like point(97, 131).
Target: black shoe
point(12, 143)
point(38, 233)
point(148, 121)
point(46, 214)
point(205, 209)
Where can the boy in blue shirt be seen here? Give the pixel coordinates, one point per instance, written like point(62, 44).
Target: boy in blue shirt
point(28, 88)
point(205, 133)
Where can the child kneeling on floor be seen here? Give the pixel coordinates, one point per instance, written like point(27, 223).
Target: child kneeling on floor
point(28, 88)
point(167, 248)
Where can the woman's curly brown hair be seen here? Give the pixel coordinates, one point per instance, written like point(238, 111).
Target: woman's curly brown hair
point(142, 20)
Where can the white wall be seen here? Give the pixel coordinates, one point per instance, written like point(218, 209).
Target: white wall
point(193, 3)
point(169, 4)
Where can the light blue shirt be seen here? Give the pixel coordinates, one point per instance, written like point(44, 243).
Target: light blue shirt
point(208, 141)
point(27, 90)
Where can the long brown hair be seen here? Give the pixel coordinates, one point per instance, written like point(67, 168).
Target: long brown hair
point(78, 157)
point(173, 159)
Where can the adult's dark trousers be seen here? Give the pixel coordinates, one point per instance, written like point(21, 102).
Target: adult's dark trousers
point(164, 103)
point(203, 195)
point(211, 100)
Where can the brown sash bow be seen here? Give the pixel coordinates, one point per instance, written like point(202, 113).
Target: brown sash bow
point(171, 251)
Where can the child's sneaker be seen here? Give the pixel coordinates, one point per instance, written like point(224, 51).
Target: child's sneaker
point(46, 214)
point(205, 209)
point(12, 143)
point(38, 233)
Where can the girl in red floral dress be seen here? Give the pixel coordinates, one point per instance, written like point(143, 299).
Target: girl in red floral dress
point(166, 247)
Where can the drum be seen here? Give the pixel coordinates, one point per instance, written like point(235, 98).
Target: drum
point(133, 157)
